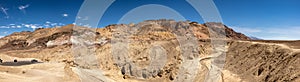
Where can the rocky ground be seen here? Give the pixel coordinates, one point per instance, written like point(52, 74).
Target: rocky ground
point(150, 51)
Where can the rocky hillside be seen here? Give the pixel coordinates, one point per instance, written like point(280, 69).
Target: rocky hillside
point(127, 53)
point(43, 37)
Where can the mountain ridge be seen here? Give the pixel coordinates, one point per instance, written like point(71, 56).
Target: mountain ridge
point(201, 31)
point(246, 60)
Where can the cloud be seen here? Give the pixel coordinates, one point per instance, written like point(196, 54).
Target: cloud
point(19, 26)
point(284, 33)
point(4, 10)
point(27, 25)
point(46, 25)
point(83, 18)
point(271, 33)
point(65, 15)
point(4, 27)
point(33, 26)
point(79, 17)
point(23, 7)
point(53, 24)
point(7, 26)
point(245, 30)
point(286, 30)
point(48, 22)
point(5, 32)
point(12, 26)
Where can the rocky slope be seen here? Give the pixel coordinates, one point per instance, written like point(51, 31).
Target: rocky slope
point(127, 53)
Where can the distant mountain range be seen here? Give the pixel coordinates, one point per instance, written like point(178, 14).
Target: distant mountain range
point(254, 38)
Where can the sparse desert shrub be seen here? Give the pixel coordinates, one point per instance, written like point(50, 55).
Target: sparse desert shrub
point(34, 61)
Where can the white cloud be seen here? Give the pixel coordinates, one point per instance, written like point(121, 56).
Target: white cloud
point(65, 15)
point(271, 33)
point(18, 26)
point(27, 25)
point(1, 36)
point(4, 10)
point(85, 18)
point(4, 27)
point(281, 38)
point(23, 7)
point(87, 25)
point(53, 24)
point(48, 22)
point(78, 17)
point(285, 33)
point(46, 25)
point(32, 26)
point(5, 32)
point(82, 18)
point(286, 30)
point(11, 26)
point(245, 30)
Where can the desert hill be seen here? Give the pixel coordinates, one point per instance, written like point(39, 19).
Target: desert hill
point(246, 60)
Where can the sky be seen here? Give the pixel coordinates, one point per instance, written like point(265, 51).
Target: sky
point(265, 19)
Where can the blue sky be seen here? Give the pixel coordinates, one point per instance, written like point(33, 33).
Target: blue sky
point(266, 19)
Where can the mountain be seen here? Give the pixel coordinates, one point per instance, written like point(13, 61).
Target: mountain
point(43, 37)
point(153, 50)
point(255, 38)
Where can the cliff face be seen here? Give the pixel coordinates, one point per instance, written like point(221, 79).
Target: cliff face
point(144, 44)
